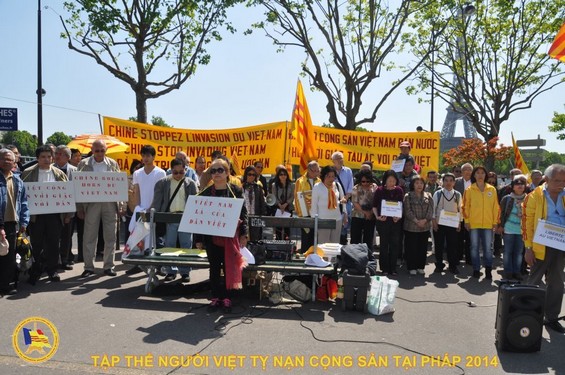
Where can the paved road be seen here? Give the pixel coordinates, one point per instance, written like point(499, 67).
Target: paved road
point(110, 326)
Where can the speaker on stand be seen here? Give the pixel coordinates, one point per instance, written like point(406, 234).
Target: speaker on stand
point(519, 318)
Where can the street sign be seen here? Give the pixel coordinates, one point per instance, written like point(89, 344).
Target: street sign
point(531, 143)
point(8, 119)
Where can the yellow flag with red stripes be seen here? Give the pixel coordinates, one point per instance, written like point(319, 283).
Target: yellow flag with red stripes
point(557, 50)
point(519, 161)
point(302, 131)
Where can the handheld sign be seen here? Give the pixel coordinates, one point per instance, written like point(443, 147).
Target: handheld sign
point(100, 186)
point(398, 165)
point(449, 219)
point(215, 216)
point(391, 208)
point(550, 234)
point(50, 197)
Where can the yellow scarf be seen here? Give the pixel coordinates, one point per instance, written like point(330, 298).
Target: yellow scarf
point(332, 202)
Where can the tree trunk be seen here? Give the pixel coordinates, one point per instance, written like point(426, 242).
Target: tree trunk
point(141, 106)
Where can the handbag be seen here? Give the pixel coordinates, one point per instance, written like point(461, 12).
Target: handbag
point(161, 228)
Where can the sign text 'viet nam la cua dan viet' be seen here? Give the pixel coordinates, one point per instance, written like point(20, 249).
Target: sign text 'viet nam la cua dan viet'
point(215, 216)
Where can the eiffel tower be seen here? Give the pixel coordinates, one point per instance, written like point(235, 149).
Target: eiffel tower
point(447, 135)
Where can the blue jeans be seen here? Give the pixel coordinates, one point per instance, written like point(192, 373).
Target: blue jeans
point(185, 241)
point(481, 237)
point(513, 248)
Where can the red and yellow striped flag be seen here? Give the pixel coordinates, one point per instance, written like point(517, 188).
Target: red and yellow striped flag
point(519, 161)
point(557, 50)
point(302, 131)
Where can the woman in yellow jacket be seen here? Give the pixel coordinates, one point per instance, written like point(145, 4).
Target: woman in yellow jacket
point(482, 215)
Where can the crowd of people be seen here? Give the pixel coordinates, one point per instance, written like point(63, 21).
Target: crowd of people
point(468, 217)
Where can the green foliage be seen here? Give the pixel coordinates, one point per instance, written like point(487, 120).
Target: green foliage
point(490, 63)
point(349, 46)
point(155, 120)
point(59, 138)
point(22, 139)
point(154, 46)
point(558, 125)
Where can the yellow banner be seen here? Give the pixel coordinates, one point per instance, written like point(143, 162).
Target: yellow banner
point(265, 143)
point(380, 148)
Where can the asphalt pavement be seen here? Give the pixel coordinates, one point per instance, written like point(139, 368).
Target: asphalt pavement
point(443, 324)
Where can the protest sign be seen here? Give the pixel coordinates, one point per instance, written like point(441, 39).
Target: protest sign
point(100, 186)
point(215, 216)
point(50, 197)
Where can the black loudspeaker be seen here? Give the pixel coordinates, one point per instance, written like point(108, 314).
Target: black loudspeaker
point(519, 318)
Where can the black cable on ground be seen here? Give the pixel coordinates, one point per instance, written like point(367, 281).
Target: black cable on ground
point(369, 342)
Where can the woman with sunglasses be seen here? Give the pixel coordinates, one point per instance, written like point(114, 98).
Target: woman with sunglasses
point(283, 190)
point(510, 227)
point(254, 200)
point(481, 215)
point(223, 252)
point(362, 217)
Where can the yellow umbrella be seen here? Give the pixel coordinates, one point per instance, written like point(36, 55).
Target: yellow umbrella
point(84, 143)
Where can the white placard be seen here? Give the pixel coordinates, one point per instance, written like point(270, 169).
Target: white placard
point(280, 213)
point(398, 165)
point(449, 219)
point(50, 197)
point(302, 201)
point(100, 186)
point(215, 216)
point(391, 208)
point(550, 234)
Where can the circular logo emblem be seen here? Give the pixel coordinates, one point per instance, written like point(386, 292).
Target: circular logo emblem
point(35, 339)
point(524, 332)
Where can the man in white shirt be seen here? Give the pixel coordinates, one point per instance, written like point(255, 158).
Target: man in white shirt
point(144, 180)
point(45, 229)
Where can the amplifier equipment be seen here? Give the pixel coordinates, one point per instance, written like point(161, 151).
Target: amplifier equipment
point(279, 249)
point(519, 318)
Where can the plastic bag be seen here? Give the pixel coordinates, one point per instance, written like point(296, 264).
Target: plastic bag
point(135, 244)
point(381, 295)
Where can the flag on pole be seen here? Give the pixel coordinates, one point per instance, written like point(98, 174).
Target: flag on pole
point(557, 50)
point(302, 131)
point(519, 161)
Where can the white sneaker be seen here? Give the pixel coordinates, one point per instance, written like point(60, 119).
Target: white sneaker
point(421, 271)
point(412, 272)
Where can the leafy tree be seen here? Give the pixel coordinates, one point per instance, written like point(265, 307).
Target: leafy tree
point(155, 120)
point(59, 138)
point(558, 125)
point(24, 140)
point(491, 63)
point(349, 45)
point(477, 152)
point(136, 40)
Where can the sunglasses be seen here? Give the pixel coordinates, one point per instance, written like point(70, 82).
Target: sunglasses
point(365, 181)
point(217, 170)
point(178, 172)
point(98, 150)
point(259, 166)
point(251, 174)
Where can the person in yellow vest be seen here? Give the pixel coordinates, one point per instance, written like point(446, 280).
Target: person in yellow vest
point(303, 187)
point(546, 202)
point(482, 216)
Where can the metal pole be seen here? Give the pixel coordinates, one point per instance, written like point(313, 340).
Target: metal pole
point(39, 79)
point(432, 89)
